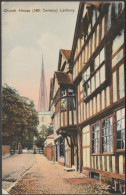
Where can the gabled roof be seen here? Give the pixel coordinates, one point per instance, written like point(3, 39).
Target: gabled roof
point(50, 136)
point(63, 78)
point(66, 53)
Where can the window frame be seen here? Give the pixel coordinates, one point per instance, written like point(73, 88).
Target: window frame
point(98, 122)
point(110, 116)
point(116, 149)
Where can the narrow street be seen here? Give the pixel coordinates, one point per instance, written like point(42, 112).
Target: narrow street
point(45, 177)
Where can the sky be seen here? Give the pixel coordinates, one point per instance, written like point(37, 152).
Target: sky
point(26, 35)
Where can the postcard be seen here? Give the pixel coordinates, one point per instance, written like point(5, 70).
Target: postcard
point(63, 97)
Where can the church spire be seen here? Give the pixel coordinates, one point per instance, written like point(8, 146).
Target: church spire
point(43, 101)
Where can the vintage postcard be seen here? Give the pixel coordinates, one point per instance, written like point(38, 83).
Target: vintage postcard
point(63, 97)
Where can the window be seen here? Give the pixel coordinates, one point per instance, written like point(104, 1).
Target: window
point(70, 91)
point(121, 81)
point(120, 125)
point(109, 16)
point(103, 28)
point(71, 102)
point(96, 138)
point(114, 87)
point(107, 135)
point(116, 8)
point(62, 146)
point(93, 18)
point(117, 58)
point(97, 36)
point(93, 42)
point(63, 103)
point(63, 93)
point(118, 42)
point(100, 58)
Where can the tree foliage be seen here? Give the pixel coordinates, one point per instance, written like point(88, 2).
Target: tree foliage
point(19, 117)
point(42, 135)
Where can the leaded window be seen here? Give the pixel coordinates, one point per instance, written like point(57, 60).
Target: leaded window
point(71, 102)
point(107, 139)
point(120, 126)
point(63, 103)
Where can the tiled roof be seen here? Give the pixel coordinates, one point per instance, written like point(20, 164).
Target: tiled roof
point(66, 53)
point(63, 78)
point(50, 136)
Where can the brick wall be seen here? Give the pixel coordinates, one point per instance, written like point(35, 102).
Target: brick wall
point(5, 149)
point(49, 152)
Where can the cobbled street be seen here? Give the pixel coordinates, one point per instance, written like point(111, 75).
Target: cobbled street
point(45, 177)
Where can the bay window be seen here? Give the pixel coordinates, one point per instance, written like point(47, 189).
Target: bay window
point(120, 126)
point(63, 104)
point(71, 103)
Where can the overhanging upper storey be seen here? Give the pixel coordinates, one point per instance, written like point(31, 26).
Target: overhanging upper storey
point(65, 101)
point(97, 25)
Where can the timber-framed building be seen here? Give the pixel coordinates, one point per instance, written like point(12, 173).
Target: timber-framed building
point(88, 100)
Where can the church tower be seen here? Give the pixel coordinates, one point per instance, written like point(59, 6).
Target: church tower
point(43, 113)
point(43, 100)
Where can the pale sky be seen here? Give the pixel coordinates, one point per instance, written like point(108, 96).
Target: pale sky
point(26, 35)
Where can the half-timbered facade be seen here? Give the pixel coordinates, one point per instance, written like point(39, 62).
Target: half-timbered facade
point(63, 109)
point(89, 94)
point(97, 60)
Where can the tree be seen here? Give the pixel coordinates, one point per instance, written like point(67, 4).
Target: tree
point(42, 135)
point(19, 117)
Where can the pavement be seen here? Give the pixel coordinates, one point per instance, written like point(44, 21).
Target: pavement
point(47, 177)
point(14, 167)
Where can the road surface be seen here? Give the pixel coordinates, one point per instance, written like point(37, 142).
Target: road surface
point(41, 176)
